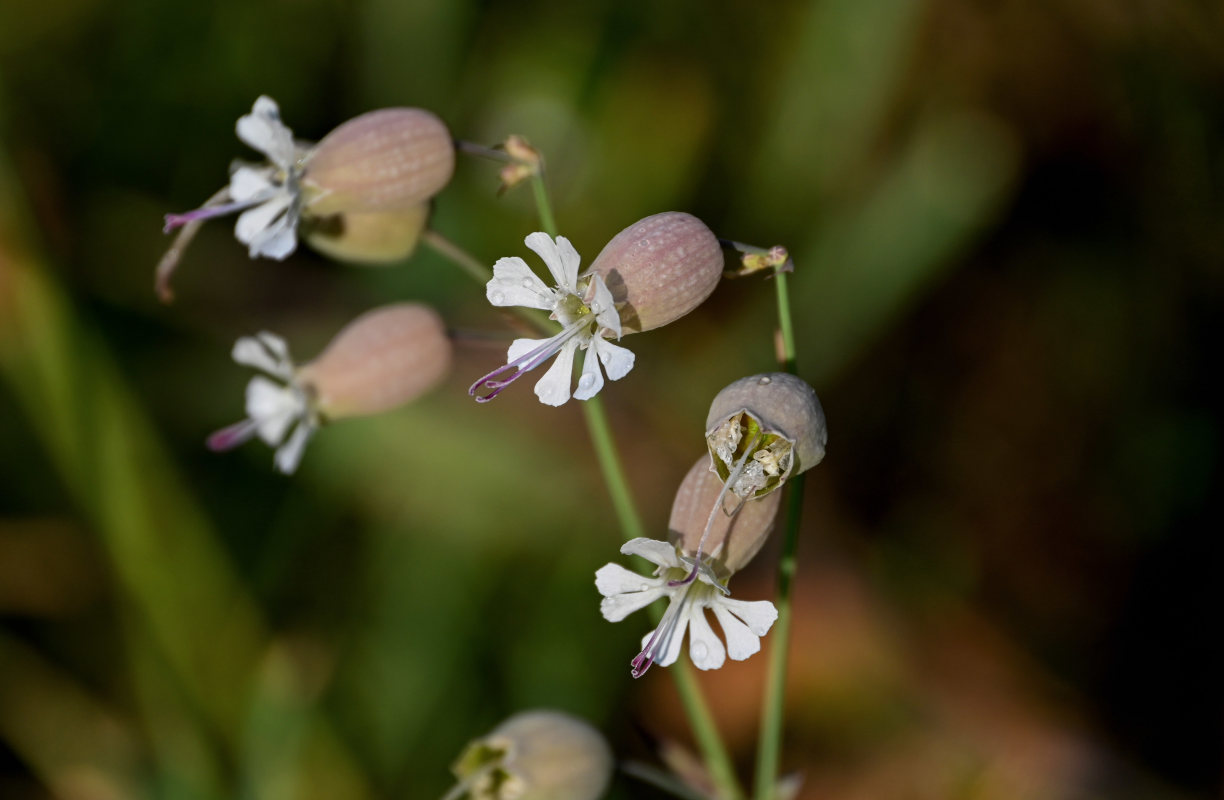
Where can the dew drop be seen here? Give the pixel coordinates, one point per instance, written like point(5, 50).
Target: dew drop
point(642, 587)
point(764, 380)
point(605, 356)
point(585, 381)
point(526, 283)
point(699, 651)
point(496, 297)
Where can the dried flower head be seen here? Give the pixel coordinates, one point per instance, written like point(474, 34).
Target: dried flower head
point(582, 304)
point(535, 755)
point(379, 361)
point(659, 269)
point(762, 429)
point(391, 160)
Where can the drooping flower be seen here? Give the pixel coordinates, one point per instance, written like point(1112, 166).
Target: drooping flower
point(743, 622)
point(379, 361)
point(272, 407)
point(360, 194)
point(581, 304)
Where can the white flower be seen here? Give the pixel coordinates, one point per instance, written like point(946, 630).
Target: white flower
point(271, 195)
point(743, 623)
point(272, 408)
point(584, 307)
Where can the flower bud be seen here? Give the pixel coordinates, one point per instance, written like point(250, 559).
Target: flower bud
point(659, 269)
point(374, 238)
point(535, 755)
point(392, 159)
point(732, 540)
point(379, 361)
point(767, 427)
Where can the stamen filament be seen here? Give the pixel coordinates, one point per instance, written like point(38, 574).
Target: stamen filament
point(732, 477)
point(526, 362)
point(230, 437)
point(660, 638)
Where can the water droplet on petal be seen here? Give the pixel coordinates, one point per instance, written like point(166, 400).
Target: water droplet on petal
point(585, 381)
point(765, 379)
point(699, 651)
point(605, 356)
point(497, 297)
point(643, 587)
point(526, 283)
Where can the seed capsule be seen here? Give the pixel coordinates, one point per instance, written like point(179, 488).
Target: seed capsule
point(373, 238)
point(733, 539)
point(660, 268)
point(392, 159)
point(768, 427)
point(379, 361)
point(535, 755)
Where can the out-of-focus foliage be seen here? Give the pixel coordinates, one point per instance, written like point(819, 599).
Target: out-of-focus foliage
point(1007, 221)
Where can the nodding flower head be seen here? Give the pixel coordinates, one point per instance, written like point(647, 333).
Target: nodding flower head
point(659, 269)
point(582, 305)
point(379, 361)
point(762, 429)
point(534, 755)
point(706, 547)
point(389, 161)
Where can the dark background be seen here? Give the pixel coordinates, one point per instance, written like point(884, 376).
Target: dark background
point(1007, 220)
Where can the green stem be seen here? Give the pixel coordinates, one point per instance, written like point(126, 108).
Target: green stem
point(613, 471)
point(465, 261)
point(770, 744)
point(717, 759)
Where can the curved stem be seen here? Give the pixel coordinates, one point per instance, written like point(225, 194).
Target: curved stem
point(465, 261)
point(769, 744)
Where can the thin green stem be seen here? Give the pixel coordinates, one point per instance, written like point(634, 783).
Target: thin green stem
point(613, 471)
point(543, 206)
point(717, 759)
point(465, 261)
point(772, 708)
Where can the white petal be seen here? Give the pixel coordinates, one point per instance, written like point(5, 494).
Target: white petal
point(278, 240)
point(759, 614)
point(273, 408)
point(741, 641)
point(591, 380)
point(521, 347)
point(263, 130)
point(625, 591)
point(251, 185)
point(673, 639)
point(255, 221)
point(289, 455)
point(705, 649)
point(514, 284)
point(616, 360)
point(559, 256)
point(268, 354)
point(654, 551)
point(604, 306)
point(554, 388)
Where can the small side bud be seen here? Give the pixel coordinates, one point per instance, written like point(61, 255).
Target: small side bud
point(392, 159)
point(525, 162)
point(379, 361)
point(373, 238)
point(659, 269)
point(772, 424)
point(732, 540)
point(535, 755)
point(776, 259)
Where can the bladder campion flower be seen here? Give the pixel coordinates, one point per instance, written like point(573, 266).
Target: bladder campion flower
point(366, 184)
point(651, 273)
point(534, 755)
point(583, 306)
point(733, 540)
point(381, 360)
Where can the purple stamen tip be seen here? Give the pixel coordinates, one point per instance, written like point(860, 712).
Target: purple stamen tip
point(692, 576)
point(640, 664)
point(230, 437)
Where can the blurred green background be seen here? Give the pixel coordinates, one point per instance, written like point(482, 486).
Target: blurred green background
point(1008, 224)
